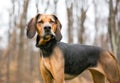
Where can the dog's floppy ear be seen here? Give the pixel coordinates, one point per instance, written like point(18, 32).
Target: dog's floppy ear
point(31, 27)
point(58, 29)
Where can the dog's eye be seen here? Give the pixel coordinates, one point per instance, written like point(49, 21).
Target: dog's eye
point(40, 22)
point(52, 21)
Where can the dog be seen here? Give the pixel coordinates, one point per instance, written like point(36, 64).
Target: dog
point(60, 61)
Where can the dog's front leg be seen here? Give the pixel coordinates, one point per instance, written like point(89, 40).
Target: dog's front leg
point(57, 64)
point(46, 76)
point(59, 76)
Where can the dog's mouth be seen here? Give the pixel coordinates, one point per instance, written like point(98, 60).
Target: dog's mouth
point(48, 37)
point(44, 39)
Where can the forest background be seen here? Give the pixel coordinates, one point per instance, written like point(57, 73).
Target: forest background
point(91, 22)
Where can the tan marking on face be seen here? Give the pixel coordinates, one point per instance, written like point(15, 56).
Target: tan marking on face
point(54, 26)
point(44, 20)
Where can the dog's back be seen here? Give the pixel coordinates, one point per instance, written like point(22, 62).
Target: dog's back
point(79, 57)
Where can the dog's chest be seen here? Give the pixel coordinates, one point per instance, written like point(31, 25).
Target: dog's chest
point(55, 61)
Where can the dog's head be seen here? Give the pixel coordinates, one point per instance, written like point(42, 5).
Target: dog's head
point(46, 26)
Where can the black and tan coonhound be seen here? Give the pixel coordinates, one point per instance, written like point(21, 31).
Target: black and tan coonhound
point(59, 61)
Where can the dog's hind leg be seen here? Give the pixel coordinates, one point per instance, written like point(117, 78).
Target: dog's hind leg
point(110, 67)
point(97, 76)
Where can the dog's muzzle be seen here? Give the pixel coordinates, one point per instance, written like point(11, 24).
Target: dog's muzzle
point(47, 29)
point(48, 32)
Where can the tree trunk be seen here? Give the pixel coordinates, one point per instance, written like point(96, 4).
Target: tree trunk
point(37, 6)
point(111, 26)
point(21, 43)
point(82, 28)
point(114, 28)
point(96, 22)
point(55, 7)
point(70, 23)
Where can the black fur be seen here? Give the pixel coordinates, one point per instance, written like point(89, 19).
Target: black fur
point(46, 48)
point(79, 57)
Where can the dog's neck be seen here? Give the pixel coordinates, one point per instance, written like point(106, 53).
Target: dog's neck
point(48, 47)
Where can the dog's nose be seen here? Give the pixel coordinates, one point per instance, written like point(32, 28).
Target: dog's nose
point(47, 28)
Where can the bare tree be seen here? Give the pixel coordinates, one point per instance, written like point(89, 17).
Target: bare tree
point(47, 5)
point(55, 6)
point(82, 27)
point(37, 5)
point(96, 22)
point(70, 21)
point(81, 19)
point(21, 55)
point(113, 26)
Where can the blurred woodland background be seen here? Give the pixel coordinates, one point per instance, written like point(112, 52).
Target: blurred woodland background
point(95, 22)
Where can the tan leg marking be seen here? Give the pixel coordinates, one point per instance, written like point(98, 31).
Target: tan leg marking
point(45, 73)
